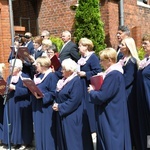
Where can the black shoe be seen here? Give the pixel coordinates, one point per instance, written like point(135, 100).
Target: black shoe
point(5, 146)
point(25, 147)
point(1, 144)
point(15, 146)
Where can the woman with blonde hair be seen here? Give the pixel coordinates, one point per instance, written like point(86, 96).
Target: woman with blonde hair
point(46, 43)
point(89, 66)
point(43, 115)
point(130, 63)
point(143, 94)
point(111, 105)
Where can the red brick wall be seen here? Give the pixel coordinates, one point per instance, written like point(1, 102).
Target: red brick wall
point(137, 36)
point(5, 36)
point(56, 16)
point(110, 17)
point(143, 19)
point(137, 18)
point(53, 15)
point(25, 15)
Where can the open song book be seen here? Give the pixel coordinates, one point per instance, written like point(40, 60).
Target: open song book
point(55, 62)
point(24, 54)
point(32, 87)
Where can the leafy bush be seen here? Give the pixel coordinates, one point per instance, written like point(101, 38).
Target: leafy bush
point(56, 40)
point(88, 24)
point(141, 53)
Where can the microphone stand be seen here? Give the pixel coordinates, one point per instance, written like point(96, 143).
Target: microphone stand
point(6, 100)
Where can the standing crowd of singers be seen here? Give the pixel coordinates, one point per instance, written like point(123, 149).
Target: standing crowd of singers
point(71, 114)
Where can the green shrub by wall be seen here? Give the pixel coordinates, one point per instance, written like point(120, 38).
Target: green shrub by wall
point(88, 23)
point(141, 53)
point(56, 40)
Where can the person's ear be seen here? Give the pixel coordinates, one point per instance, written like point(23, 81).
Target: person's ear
point(109, 59)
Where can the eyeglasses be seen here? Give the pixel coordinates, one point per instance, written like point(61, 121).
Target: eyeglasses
point(101, 60)
point(145, 43)
point(27, 37)
point(104, 60)
point(50, 52)
point(42, 36)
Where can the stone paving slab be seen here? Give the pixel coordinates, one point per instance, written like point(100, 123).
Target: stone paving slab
point(33, 148)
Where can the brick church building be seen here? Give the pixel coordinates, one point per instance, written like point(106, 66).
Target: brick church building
point(58, 15)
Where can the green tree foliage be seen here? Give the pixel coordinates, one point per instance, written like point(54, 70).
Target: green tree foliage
point(141, 53)
point(57, 41)
point(88, 23)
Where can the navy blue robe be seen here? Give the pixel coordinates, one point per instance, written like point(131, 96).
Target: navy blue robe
point(111, 113)
point(119, 54)
point(130, 72)
point(43, 114)
point(143, 103)
point(92, 67)
point(19, 112)
point(70, 126)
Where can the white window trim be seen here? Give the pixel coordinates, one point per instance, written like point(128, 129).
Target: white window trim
point(142, 4)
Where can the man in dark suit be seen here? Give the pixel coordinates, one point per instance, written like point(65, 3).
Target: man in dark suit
point(69, 49)
point(27, 66)
point(122, 33)
point(29, 42)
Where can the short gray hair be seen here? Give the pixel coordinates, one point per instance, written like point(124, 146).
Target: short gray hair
point(67, 33)
point(18, 63)
point(124, 29)
point(46, 33)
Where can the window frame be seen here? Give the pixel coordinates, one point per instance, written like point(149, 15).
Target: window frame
point(141, 3)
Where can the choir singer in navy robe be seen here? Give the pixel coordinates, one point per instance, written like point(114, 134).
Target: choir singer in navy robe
point(143, 94)
point(111, 105)
point(43, 114)
point(18, 109)
point(69, 105)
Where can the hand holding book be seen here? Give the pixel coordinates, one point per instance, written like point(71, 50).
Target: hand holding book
point(37, 96)
point(96, 82)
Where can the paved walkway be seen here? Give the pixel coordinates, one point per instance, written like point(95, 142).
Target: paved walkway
point(33, 148)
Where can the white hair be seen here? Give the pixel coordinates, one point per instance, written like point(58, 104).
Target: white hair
point(2, 65)
point(18, 63)
point(69, 65)
point(46, 32)
point(47, 42)
point(28, 34)
point(67, 33)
